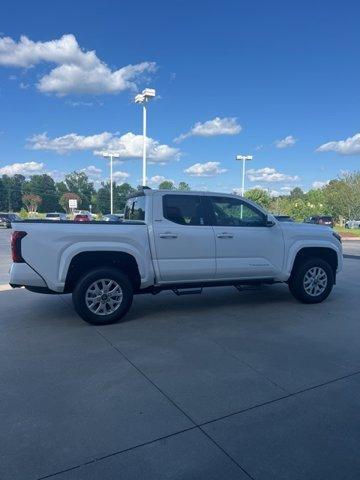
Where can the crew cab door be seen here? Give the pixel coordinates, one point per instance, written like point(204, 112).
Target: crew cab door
point(184, 244)
point(245, 246)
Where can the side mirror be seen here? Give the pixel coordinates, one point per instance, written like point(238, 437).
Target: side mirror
point(269, 221)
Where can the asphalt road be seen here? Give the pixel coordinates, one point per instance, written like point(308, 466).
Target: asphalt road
point(223, 385)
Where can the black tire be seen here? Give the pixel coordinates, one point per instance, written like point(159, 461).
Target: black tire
point(79, 296)
point(296, 282)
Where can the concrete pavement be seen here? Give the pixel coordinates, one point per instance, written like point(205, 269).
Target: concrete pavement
point(224, 385)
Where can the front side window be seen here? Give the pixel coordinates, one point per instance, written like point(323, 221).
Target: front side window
point(135, 209)
point(183, 209)
point(234, 212)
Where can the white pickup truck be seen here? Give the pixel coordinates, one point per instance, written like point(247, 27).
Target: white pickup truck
point(180, 241)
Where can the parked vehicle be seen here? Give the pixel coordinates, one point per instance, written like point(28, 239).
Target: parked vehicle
point(56, 216)
point(82, 217)
point(84, 212)
point(325, 220)
point(7, 218)
point(284, 218)
point(172, 241)
point(117, 217)
point(352, 224)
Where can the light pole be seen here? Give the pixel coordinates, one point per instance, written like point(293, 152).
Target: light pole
point(143, 98)
point(243, 158)
point(111, 155)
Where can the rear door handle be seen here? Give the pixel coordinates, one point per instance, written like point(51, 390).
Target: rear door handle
point(225, 235)
point(168, 235)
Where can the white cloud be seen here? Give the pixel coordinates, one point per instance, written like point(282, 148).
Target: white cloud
point(157, 179)
point(77, 71)
point(286, 189)
point(211, 128)
point(80, 104)
point(208, 169)
point(27, 168)
point(319, 184)
point(272, 193)
point(269, 175)
point(286, 142)
point(92, 171)
point(128, 145)
point(69, 142)
point(120, 177)
point(350, 146)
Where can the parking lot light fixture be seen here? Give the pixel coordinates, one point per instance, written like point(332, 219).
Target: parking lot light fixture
point(111, 155)
point(143, 98)
point(243, 158)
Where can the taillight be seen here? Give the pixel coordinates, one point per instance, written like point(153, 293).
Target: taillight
point(16, 238)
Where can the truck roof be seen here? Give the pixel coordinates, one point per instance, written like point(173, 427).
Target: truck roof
point(148, 192)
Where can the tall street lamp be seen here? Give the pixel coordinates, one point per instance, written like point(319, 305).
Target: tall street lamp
point(111, 155)
point(243, 158)
point(143, 98)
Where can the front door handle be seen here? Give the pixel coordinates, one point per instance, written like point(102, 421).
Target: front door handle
point(225, 235)
point(168, 235)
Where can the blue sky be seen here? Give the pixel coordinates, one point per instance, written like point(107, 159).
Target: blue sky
point(278, 80)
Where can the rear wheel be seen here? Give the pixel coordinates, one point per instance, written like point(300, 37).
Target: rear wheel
point(103, 296)
point(312, 281)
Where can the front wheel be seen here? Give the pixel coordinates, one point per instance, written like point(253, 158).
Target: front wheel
point(312, 281)
point(103, 296)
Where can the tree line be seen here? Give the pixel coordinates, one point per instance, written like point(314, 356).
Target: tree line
point(339, 198)
point(40, 193)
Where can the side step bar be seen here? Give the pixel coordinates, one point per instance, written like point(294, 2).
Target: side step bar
point(187, 291)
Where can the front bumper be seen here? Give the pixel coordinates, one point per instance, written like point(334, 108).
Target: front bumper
point(22, 275)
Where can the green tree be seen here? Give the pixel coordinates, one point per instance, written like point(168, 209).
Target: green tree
point(166, 185)
point(61, 188)
point(43, 186)
point(184, 186)
point(120, 194)
point(259, 196)
point(64, 200)
point(78, 182)
point(103, 198)
point(11, 189)
point(296, 193)
point(31, 202)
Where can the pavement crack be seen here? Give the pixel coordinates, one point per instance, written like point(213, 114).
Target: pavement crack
point(175, 405)
point(284, 397)
point(226, 453)
point(259, 372)
point(148, 379)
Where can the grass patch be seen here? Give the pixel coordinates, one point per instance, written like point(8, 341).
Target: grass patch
point(349, 232)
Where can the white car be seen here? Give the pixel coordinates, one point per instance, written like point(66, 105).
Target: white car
point(173, 241)
point(352, 224)
point(56, 216)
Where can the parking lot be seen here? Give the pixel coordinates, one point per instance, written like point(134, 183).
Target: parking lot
point(223, 385)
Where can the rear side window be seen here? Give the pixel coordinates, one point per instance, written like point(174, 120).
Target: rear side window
point(135, 209)
point(184, 209)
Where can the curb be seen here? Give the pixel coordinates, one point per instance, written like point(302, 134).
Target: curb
point(4, 287)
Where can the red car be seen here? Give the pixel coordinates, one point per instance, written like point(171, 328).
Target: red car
point(80, 217)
